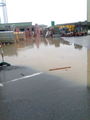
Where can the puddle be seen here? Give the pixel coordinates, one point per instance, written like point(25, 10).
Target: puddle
point(46, 53)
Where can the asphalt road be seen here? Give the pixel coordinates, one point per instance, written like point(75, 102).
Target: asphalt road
point(27, 94)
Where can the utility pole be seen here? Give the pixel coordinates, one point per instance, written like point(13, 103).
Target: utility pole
point(4, 10)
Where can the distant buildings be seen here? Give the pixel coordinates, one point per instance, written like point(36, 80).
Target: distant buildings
point(13, 26)
point(88, 14)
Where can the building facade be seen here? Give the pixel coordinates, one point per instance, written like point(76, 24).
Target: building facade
point(88, 10)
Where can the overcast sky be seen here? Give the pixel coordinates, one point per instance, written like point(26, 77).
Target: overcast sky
point(45, 11)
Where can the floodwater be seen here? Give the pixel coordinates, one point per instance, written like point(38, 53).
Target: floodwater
point(48, 53)
point(30, 91)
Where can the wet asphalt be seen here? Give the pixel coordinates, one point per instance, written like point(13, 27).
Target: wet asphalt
point(41, 96)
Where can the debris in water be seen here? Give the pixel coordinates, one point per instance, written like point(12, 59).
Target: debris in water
point(59, 68)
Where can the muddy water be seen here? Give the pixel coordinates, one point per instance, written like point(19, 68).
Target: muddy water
point(48, 53)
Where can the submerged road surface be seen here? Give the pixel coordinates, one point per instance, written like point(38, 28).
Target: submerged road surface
point(29, 91)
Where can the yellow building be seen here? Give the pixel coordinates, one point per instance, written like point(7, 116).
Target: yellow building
point(69, 26)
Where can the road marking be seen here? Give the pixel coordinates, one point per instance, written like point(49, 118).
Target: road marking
point(28, 76)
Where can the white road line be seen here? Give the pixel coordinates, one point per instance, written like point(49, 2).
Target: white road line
point(14, 80)
point(29, 76)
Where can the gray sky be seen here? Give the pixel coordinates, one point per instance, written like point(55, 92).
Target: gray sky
point(45, 11)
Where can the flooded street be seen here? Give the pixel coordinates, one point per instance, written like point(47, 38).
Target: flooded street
point(47, 53)
point(49, 79)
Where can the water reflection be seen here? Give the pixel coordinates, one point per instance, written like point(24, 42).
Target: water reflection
point(9, 50)
point(37, 41)
point(40, 40)
point(57, 42)
point(47, 53)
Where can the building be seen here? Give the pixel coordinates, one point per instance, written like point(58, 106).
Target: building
point(88, 14)
point(88, 10)
point(71, 28)
point(13, 26)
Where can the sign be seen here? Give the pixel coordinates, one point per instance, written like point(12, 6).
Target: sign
point(52, 23)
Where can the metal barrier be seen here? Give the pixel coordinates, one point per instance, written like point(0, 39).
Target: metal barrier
point(7, 36)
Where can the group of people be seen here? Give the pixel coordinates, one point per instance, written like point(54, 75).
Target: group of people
point(36, 31)
point(30, 31)
point(33, 32)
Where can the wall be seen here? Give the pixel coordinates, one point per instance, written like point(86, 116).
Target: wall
point(88, 68)
point(88, 10)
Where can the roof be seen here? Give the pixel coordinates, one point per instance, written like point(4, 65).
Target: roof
point(75, 23)
point(17, 24)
